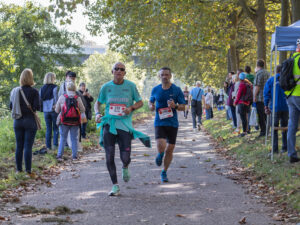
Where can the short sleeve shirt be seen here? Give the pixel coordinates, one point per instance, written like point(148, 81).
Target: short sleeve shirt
point(125, 93)
point(194, 92)
point(161, 97)
point(260, 80)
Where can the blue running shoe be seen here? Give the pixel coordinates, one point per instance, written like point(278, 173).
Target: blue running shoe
point(159, 158)
point(163, 176)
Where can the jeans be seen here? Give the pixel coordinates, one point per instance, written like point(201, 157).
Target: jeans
point(208, 113)
point(283, 117)
point(261, 117)
point(50, 119)
point(232, 109)
point(238, 118)
point(83, 130)
point(228, 113)
point(294, 113)
point(194, 115)
point(243, 110)
point(25, 130)
point(64, 130)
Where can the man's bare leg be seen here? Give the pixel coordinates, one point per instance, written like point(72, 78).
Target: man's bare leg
point(169, 156)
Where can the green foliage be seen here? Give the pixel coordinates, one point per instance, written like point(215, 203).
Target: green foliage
point(29, 39)
point(97, 71)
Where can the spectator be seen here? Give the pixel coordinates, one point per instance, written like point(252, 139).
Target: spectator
point(25, 126)
point(186, 94)
point(259, 83)
point(208, 104)
point(281, 109)
point(230, 99)
point(249, 76)
point(65, 129)
point(88, 108)
point(48, 96)
point(236, 88)
point(294, 108)
point(197, 96)
point(242, 102)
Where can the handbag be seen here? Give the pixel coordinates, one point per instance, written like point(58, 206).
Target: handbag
point(194, 102)
point(36, 117)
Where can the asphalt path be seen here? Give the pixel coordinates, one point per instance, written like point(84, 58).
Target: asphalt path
point(195, 193)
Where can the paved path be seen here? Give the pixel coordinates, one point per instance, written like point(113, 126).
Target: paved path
point(194, 195)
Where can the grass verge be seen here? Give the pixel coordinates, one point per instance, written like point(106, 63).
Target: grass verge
point(251, 152)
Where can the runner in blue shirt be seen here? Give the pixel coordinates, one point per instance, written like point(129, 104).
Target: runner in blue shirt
point(166, 99)
point(121, 98)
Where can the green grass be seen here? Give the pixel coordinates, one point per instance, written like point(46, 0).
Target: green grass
point(253, 154)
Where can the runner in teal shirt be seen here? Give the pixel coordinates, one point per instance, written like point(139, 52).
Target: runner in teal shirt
point(121, 98)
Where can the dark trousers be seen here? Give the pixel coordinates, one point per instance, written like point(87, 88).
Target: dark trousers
point(123, 139)
point(50, 120)
point(261, 117)
point(283, 118)
point(25, 130)
point(233, 114)
point(83, 129)
point(243, 111)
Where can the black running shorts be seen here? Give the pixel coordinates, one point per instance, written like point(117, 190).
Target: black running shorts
point(166, 132)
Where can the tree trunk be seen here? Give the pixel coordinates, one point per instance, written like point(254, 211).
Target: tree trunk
point(295, 10)
point(258, 17)
point(260, 24)
point(284, 22)
point(232, 50)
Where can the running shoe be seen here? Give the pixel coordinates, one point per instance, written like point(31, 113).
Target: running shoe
point(125, 174)
point(163, 176)
point(159, 158)
point(115, 191)
point(199, 127)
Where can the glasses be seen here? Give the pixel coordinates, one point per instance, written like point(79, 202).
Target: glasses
point(117, 69)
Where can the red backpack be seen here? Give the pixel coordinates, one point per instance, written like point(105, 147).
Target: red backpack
point(70, 114)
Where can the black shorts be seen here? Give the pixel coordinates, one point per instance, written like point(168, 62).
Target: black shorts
point(166, 132)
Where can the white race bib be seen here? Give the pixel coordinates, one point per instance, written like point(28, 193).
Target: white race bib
point(165, 113)
point(117, 109)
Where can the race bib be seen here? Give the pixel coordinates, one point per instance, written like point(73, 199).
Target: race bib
point(165, 113)
point(117, 109)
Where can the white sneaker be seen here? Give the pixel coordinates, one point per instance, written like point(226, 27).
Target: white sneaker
point(194, 129)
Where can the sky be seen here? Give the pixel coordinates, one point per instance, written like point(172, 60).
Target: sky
point(78, 24)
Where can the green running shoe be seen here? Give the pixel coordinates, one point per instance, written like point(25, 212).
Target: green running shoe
point(115, 191)
point(125, 174)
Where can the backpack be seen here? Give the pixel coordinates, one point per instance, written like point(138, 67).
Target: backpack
point(70, 114)
point(287, 81)
point(249, 93)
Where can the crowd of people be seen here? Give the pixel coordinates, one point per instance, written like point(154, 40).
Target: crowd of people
point(68, 111)
point(244, 90)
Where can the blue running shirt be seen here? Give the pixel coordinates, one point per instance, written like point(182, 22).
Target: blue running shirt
point(125, 93)
point(161, 97)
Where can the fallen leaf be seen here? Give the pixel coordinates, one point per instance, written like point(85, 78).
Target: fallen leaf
point(180, 215)
point(242, 221)
point(146, 154)
point(182, 167)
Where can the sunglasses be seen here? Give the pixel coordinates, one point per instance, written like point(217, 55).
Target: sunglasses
point(117, 69)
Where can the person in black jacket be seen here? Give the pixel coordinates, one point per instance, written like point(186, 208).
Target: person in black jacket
point(25, 126)
point(88, 108)
point(49, 96)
